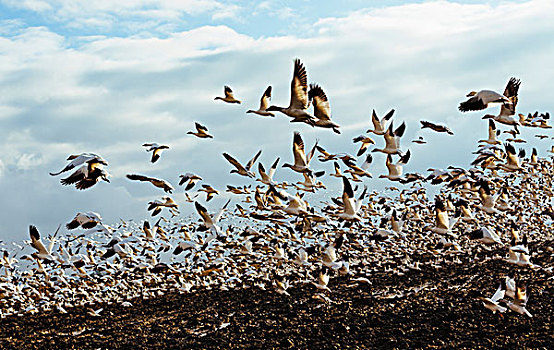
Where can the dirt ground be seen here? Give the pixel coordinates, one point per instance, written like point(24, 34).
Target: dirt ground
point(428, 308)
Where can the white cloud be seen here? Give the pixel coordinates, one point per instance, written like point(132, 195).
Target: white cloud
point(126, 14)
point(110, 95)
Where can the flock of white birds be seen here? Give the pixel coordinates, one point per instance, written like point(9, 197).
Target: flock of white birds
point(274, 238)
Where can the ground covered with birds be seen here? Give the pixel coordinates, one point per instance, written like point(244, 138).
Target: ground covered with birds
point(432, 306)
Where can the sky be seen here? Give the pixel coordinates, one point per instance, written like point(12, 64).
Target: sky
point(106, 77)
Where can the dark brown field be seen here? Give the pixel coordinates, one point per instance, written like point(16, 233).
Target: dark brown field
point(430, 308)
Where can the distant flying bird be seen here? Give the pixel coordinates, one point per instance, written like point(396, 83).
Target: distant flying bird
point(166, 186)
point(190, 179)
point(419, 140)
point(79, 159)
point(380, 126)
point(201, 131)
point(156, 150)
point(229, 97)
point(240, 169)
point(481, 100)
point(435, 127)
point(264, 104)
point(299, 100)
point(322, 109)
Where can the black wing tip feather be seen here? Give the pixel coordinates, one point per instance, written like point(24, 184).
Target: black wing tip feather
point(33, 231)
point(347, 187)
point(400, 130)
point(389, 114)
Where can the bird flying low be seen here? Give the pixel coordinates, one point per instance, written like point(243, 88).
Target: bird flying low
point(36, 242)
point(209, 222)
point(229, 97)
point(166, 186)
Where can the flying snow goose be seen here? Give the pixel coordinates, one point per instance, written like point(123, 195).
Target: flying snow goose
point(379, 126)
point(36, 242)
point(322, 109)
point(79, 159)
point(210, 191)
point(229, 97)
point(392, 140)
point(156, 150)
point(520, 300)
point(513, 160)
point(301, 161)
point(436, 127)
point(508, 111)
point(481, 100)
point(190, 179)
point(156, 206)
point(201, 131)
point(484, 235)
point(239, 168)
point(492, 303)
point(87, 175)
point(264, 104)
point(395, 169)
point(209, 222)
point(85, 220)
point(493, 133)
point(350, 205)
point(299, 100)
point(365, 141)
point(160, 183)
point(267, 178)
